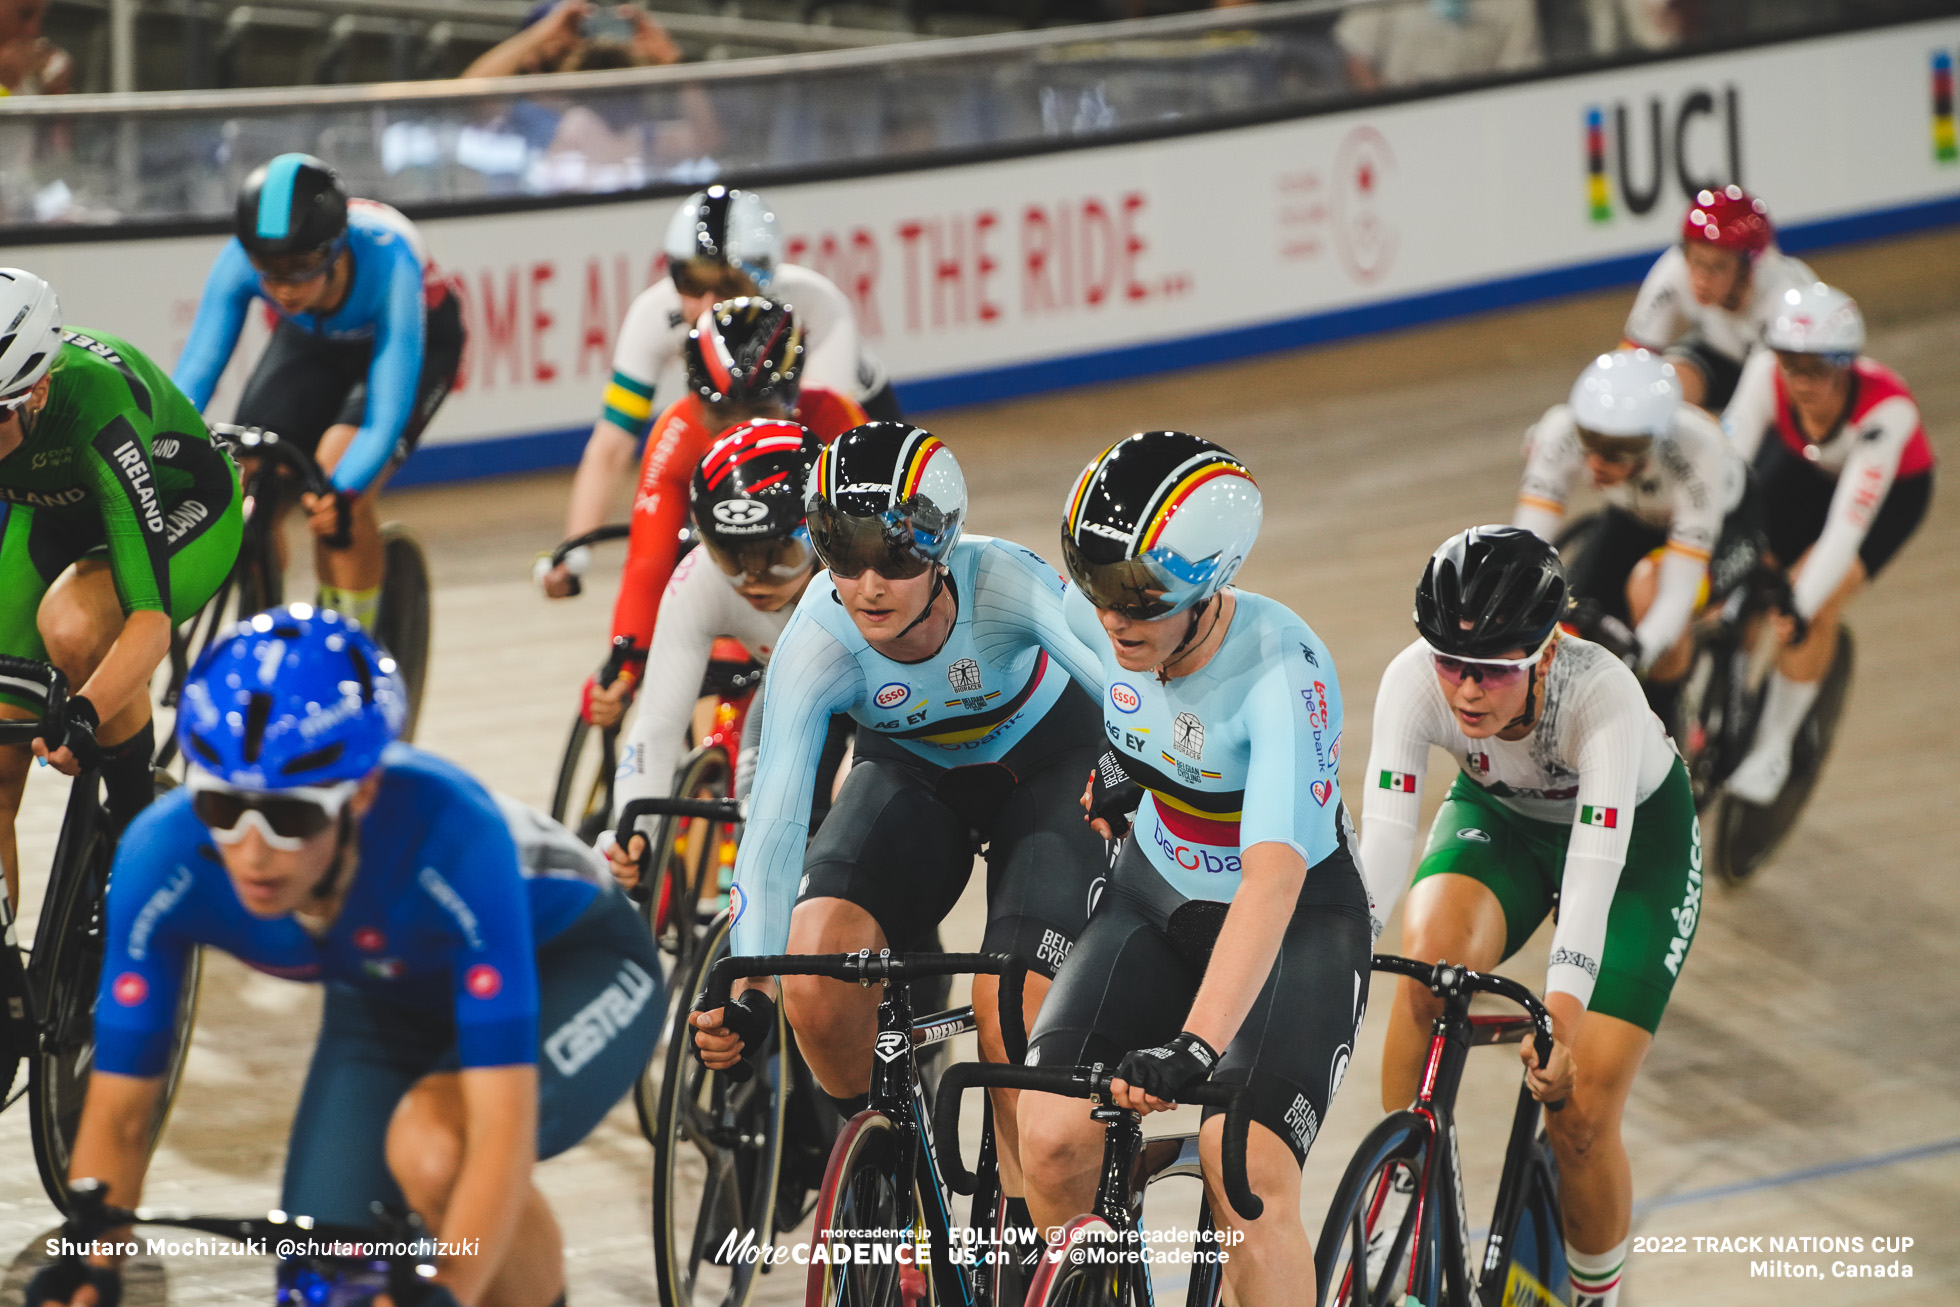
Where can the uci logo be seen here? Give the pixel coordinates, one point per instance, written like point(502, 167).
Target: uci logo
point(1125, 697)
point(740, 512)
point(891, 694)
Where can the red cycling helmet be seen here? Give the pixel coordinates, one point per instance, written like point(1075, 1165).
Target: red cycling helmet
point(1731, 218)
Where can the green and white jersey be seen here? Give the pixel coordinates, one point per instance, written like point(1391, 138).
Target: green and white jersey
point(118, 452)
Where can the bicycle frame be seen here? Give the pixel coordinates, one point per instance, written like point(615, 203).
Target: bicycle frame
point(896, 1092)
point(1452, 1036)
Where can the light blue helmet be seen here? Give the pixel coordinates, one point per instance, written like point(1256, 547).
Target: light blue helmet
point(297, 696)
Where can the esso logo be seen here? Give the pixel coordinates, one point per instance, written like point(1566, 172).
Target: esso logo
point(891, 694)
point(740, 512)
point(483, 981)
point(1125, 697)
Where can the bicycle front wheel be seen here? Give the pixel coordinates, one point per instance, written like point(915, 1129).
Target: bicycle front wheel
point(718, 1149)
point(402, 628)
point(581, 797)
point(1379, 1240)
point(1082, 1268)
point(1533, 1240)
point(863, 1192)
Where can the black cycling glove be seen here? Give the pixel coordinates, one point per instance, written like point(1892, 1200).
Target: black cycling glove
point(751, 1016)
point(1169, 1069)
point(1113, 796)
point(79, 739)
point(58, 1281)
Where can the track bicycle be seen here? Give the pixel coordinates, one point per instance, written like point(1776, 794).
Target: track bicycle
point(1398, 1230)
point(883, 1175)
point(280, 471)
point(1721, 701)
point(341, 1265)
point(47, 1002)
point(1098, 1260)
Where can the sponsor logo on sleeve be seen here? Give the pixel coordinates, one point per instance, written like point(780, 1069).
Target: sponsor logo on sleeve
point(1401, 782)
point(1322, 791)
point(891, 694)
point(1124, 697)
point(130, 989)
point(483, 981)
point(1472, 833)
point(370, 940)
point(1567, 958)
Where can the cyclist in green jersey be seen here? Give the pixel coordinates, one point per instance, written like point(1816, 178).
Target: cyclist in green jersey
point(119, 517)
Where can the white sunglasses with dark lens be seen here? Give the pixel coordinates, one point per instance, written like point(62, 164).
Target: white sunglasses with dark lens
point(286, 819)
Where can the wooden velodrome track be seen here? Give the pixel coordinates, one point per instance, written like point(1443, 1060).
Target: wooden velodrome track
point(1804, 1082)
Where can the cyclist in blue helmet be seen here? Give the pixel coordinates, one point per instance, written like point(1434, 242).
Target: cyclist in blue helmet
point(465, 942)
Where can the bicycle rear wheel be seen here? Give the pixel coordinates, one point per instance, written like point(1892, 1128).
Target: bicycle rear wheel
point(582, 796)
point(402, 628)
point(718, 1149)
point(862, 1192)
point(1748, 836)
point(1375, 1247)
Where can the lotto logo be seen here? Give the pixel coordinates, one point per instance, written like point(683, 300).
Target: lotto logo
point(891, 694)
point(1125, 697)
point(483, 981)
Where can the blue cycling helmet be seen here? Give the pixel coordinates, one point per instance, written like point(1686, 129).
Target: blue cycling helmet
point(298, 696)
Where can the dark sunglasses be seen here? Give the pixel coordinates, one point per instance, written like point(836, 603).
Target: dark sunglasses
point(851, 546)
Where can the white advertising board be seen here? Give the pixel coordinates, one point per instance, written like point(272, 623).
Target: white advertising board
point(1011, 276)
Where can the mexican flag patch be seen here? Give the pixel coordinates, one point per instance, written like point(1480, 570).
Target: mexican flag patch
point(1594, 816)
point(1401, 782)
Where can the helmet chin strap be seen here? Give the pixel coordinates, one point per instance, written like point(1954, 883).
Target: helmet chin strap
point(1190, 629)
point(344, 833)
point(938, 584)
point(1530, 702)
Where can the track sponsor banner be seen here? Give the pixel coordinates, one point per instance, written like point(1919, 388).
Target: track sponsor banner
point(1021, 274)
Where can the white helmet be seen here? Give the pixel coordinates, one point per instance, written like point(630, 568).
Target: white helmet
point(1629, 394)
point(32, 333)
point(722, 226)
point(1817, 319)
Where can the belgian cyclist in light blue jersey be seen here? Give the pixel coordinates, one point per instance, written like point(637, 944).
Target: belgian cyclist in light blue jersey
point(1232, 942)
point(366, 347)
point(490, 994)
point(976, 719)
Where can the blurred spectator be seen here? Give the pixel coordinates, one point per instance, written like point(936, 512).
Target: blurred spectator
point(1633, 25)
point(1437, 40)
point(571, 36)
point(30, 64)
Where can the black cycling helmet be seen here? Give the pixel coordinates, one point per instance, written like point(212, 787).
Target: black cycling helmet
point(887, 496)
point(746, 351)
point(1488, 591)
point(291, 205)
point(748, 499)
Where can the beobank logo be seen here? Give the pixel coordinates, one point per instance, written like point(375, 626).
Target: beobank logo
point(1124, 697)
point(1197, 859)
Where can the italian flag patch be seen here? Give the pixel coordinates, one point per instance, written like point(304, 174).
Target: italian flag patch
point(1401, 782)
point(1594, 816)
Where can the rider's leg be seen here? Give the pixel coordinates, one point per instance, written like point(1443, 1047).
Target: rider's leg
point(1595, 1179)
point(429, 1140)
point(1272, 1260)
point(350, 578)
point(1792, 689)
point(80, 619)
point(1446, 917)
point(835, 1020)
point(1061, 1151)
point(993, 1048)
point(15, 760)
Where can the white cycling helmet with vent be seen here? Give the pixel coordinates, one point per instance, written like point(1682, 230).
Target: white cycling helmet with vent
point(723, 226)
point(30, 331)
point(1629, 394)
point(1817, 319)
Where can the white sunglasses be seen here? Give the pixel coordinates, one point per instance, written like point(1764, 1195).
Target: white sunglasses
point(286, 819)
